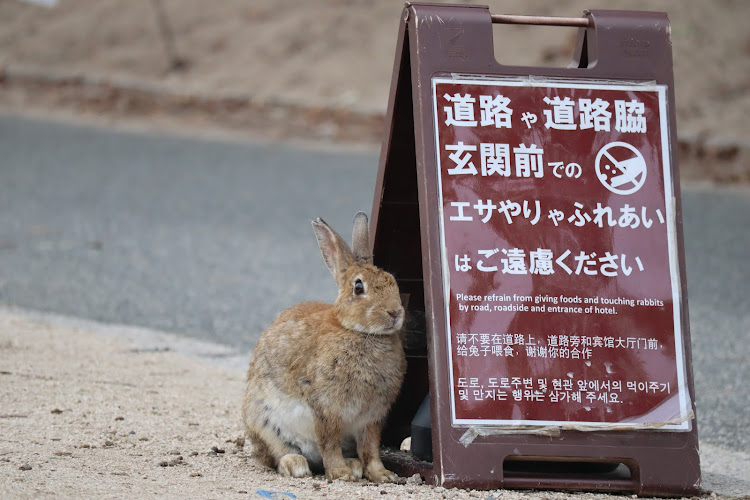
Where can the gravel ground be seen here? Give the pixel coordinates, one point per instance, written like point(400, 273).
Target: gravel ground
point(90, 415)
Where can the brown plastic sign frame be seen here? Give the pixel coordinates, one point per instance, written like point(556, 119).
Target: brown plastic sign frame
point(432, 228)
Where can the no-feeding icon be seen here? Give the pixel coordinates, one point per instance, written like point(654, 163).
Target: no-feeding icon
point(621, 168)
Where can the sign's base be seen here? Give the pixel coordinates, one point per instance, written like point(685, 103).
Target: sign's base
point(540, 473)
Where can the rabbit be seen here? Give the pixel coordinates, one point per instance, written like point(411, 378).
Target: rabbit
point(323, 377)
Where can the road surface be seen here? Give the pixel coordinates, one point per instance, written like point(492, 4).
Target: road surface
point(211, 239)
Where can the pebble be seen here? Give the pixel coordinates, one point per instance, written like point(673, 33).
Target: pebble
point(171, 463)
point(25, 467)
point(406, 444)
point(415, 479)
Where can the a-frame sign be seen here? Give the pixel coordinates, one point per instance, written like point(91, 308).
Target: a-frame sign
point(532, 219)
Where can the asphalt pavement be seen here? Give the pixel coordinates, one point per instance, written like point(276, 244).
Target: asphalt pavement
point(211, 239)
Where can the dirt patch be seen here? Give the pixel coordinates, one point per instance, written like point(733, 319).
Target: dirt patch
point(89, 416)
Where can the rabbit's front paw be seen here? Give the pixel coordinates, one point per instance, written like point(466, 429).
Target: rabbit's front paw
point(380, 475)
point(294, 465)
point(356, 467)
point(344, 473)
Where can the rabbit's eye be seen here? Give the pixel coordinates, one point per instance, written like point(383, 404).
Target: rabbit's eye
point(359, 287)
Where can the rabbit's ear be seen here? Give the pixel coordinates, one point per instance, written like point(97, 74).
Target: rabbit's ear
point(361, 239)
point(336, 252)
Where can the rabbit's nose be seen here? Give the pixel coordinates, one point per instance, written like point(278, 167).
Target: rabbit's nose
point(394, 314)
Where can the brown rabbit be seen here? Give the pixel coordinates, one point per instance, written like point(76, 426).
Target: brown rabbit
point(323, 377)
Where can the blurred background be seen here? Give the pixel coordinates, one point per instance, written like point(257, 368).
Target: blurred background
point(321, 68)
point(160, 160)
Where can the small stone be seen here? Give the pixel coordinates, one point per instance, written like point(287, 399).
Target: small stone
point(174, 452)
point(195, 474)
point(25, 467)
point(216, 449)
point(108, 443)
point(193, 453)
point(406, 444)
point(238, 442)
point(383, 492)
point(56, 411)
point(118, 419)
point(143, 438)
point(171, 463)
point(414, 479)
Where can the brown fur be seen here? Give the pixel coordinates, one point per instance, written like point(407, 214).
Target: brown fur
point(323, 376)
